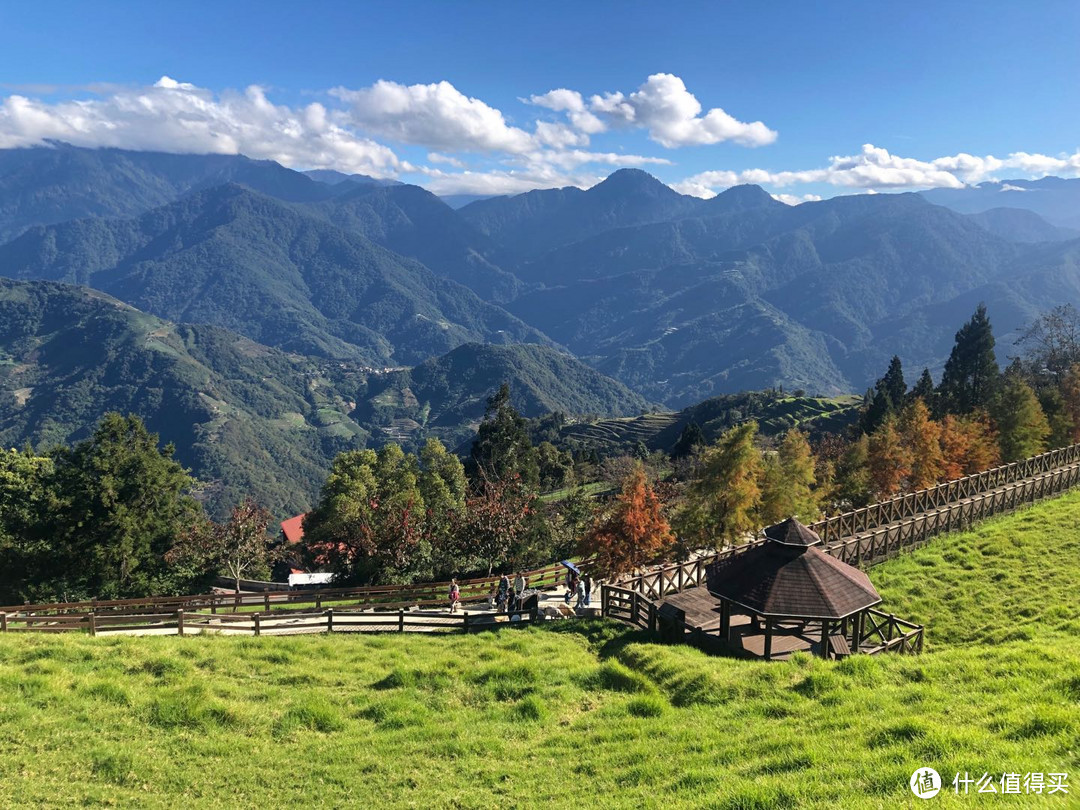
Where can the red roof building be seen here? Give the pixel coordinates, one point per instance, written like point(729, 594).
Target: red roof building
point(293, 529)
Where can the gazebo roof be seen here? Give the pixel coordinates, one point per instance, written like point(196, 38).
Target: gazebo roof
point(789, 578)
point(792, 533)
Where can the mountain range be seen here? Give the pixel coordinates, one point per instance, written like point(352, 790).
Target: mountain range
point(245, 417)
point(664, 298)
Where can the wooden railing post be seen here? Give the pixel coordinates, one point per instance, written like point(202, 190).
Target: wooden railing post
point(3, 622)
point(258, 624)
point(180, 622)
point(266, 601)
point(92, 620)
point(465, 622)
point(329, 620)
point(401, 620)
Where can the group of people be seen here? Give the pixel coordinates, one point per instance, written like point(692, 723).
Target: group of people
point(507, 599)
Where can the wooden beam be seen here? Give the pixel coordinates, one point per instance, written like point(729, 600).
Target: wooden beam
point(768, 638)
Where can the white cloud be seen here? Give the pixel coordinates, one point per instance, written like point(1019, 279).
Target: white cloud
point(672, 115)
point(570, 102)
point(796, 199)
point(663, 106)
point(449, 160)
point(173, 116)
point(875, 168)
point(438, 116)
point(505, 181)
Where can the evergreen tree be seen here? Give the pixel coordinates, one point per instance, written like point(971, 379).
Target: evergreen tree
point(690, 438)
point(26, 555)
point(924, 390)
point(922, 437)
point(893, 382)
point(120, 503)
point(502, 449)
point(634, 532)
point(971, 372)
point(722, 503)
point(888, 461)
point(1021, 423)
point(879, 409)
point(443, 489)
point(788, 484)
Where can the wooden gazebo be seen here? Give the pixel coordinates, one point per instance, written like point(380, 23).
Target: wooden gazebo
point(790, 589)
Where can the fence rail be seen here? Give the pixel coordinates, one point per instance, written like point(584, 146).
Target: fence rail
point(181, 622)
point(882, 542)
point(381, 596)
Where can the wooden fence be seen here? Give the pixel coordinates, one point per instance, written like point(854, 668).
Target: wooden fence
point(935, 497)
point(385, 597)
point(882, 542)
point(181, 622)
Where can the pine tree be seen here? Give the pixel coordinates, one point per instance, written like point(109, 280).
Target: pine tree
point(922, 437)
point(1021, 423)
point(502, 448)
point(634, 532)
point(893, 382)
point(971, 372)
point(722, 503)
point(690, 438)
point(880, 408)
point(924, 390)
point(889, 462)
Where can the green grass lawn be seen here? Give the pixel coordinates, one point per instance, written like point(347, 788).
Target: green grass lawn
point(525, 717)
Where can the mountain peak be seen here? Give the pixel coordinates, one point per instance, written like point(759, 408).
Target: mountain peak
point(744, 198)
point(631, 181)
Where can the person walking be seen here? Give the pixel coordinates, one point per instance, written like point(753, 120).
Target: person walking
point(455, 595)
point(519, 588)
point(580, 594)
point(587, 582)
point(503, 595)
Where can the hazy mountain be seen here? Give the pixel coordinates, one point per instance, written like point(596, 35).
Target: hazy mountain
point(233, 258)
point(1055, 199)
point(1021, 225)
point(332, 178)
point(457, 201)
point(50, 184)
point(414, 222)
point(446, 396)
point(531, 223)
point(771, 295)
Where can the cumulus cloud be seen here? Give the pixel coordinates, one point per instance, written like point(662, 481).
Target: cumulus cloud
point(572, 103)
point(875, 168)
point(174, 116)
point(438, 116)
point(672, 115)
point(796, 199)
point(662, 106)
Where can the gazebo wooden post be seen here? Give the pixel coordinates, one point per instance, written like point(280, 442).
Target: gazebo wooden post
point(825, 625)
point(768, 638)
point(725, 619)
point(856, 634)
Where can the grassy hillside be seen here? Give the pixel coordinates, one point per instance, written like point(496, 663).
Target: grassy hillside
point(518, 716)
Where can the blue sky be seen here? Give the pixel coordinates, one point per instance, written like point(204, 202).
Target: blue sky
point(809, 99)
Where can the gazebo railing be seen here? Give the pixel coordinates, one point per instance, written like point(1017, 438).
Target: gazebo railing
point(884, 632)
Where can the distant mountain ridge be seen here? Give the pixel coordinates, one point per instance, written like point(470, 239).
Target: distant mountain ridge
point(246, 418)
point(230, 257)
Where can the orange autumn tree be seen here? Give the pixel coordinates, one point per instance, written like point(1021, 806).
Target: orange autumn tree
point(889, 461)
point(921, 435)
point(632, 533)
point(968, 445)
